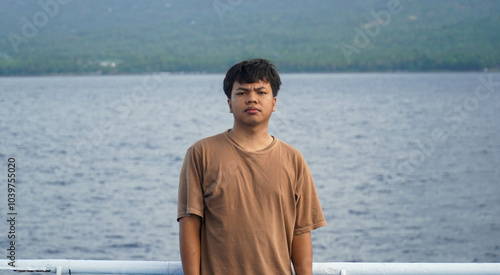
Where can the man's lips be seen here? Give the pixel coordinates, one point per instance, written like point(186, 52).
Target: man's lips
point(252, 110)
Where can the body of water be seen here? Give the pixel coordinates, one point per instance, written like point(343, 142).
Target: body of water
point(406, 165)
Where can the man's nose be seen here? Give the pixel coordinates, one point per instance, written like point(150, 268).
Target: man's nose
point(251, 97)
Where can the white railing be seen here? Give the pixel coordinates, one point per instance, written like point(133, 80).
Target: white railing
point(73, 267)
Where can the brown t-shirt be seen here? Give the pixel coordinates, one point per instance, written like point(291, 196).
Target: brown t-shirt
point(251, 204)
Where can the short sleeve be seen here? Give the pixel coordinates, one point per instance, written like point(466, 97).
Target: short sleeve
point(190, 193)
point(309, 213)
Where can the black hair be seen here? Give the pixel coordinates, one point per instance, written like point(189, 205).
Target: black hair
point(251, 71)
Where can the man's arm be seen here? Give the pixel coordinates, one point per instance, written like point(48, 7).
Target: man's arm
point(190, 244)
point(302, 254)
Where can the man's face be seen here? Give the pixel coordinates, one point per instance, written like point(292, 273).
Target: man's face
point(252, 103)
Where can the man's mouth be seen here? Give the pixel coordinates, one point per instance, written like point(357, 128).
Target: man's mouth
point(252, 110)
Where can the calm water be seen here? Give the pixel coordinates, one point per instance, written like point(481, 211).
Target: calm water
point(406, 165)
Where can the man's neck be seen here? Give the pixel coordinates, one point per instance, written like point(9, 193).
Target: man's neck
point(252, 139)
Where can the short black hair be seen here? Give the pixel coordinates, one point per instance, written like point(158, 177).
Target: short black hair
point(251, 71)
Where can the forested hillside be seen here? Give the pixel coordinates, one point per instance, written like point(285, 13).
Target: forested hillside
point(132, 36)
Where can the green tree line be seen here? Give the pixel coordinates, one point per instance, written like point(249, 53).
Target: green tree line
point(126, 36)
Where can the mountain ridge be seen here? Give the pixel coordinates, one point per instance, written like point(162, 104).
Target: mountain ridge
point(126, 36)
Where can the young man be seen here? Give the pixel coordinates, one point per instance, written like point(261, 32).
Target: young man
point(247, 201)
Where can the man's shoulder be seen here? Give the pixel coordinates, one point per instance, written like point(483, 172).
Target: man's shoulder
point(289, 149)
point(210, 141)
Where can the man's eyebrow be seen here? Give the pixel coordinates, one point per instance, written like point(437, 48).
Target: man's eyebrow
point(245, 89)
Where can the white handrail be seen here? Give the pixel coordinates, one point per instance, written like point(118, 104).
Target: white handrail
point(94, 267)
point(74, 267)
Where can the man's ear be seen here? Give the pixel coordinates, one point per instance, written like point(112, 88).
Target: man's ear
point(274, 104)
point(230, 106)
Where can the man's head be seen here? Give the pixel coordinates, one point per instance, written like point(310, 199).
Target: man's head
point(251, 71)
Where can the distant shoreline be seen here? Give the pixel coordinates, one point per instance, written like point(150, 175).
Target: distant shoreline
point(494, 70)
